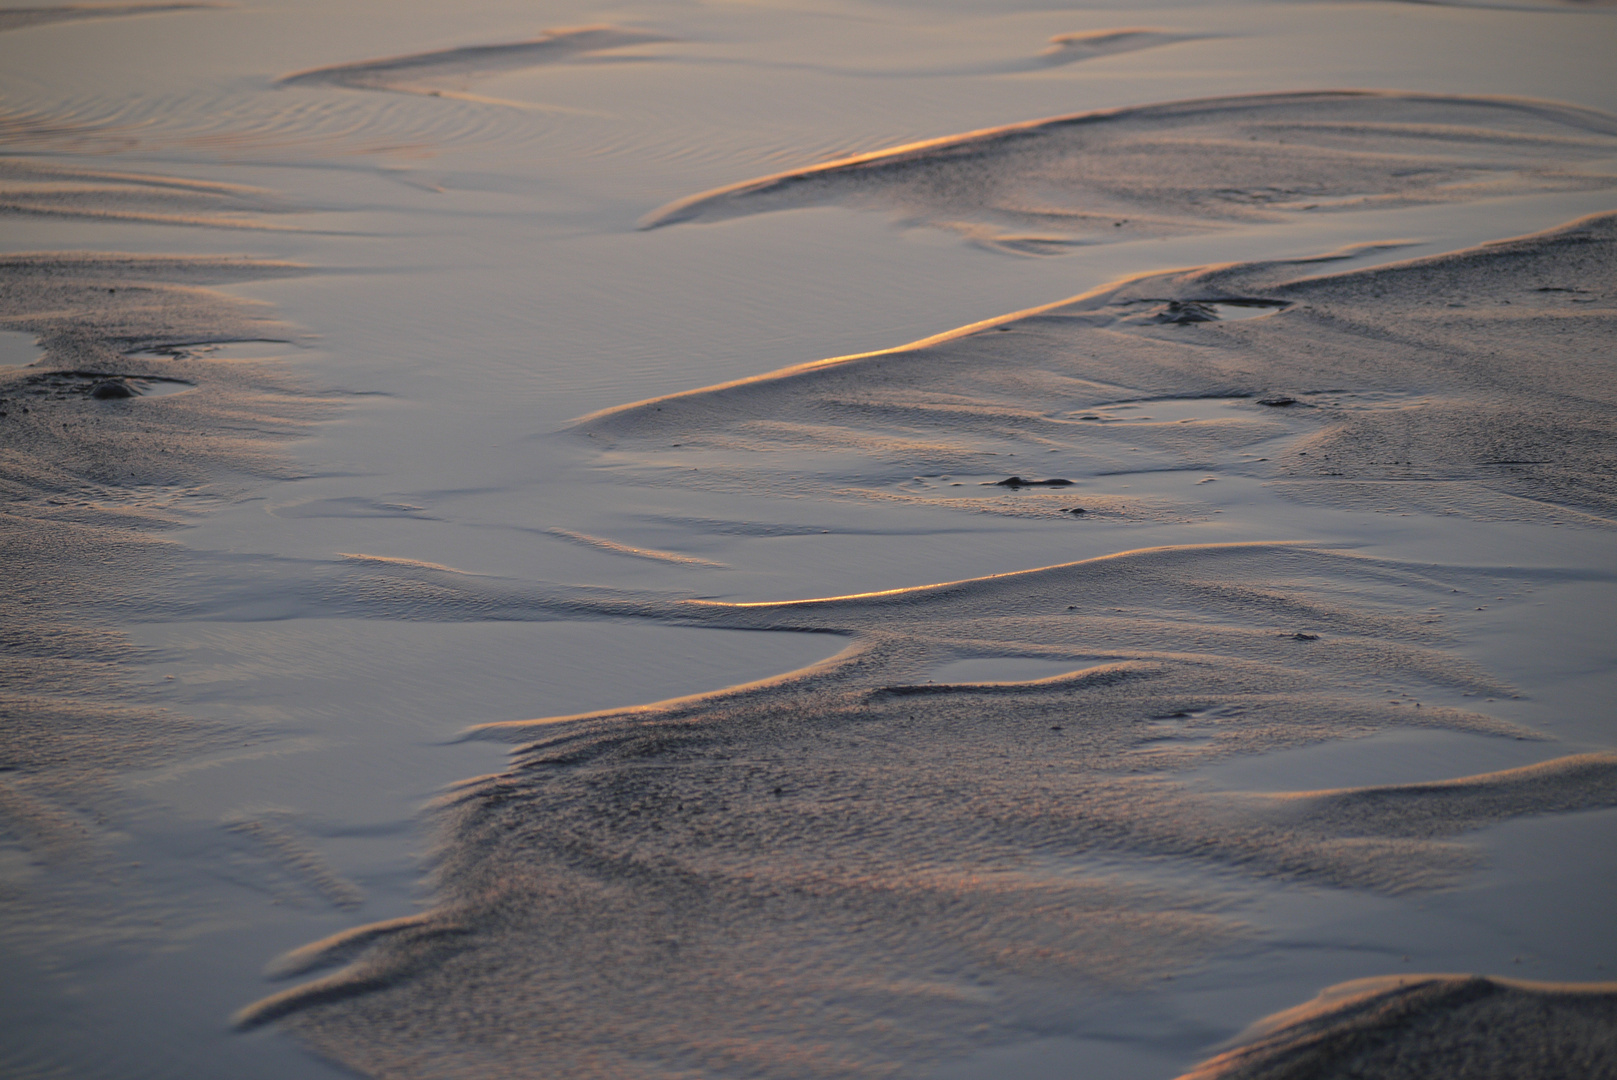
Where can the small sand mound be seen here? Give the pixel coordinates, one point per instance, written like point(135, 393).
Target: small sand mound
point(1416, 1027)
point(1443, 393)
point(1040, 187)
point(447, 69)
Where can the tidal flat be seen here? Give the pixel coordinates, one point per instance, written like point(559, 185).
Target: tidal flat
point(809, 540)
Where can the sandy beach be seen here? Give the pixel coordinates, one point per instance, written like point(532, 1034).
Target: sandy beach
point(808, 540)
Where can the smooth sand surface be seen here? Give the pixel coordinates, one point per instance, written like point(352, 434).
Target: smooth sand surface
point(299, 502)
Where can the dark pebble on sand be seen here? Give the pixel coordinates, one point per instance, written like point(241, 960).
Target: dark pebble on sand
point(1277, 402)
point(111, 390)
point(1300, 636)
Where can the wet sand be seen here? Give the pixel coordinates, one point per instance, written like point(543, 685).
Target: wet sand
point(1411, 1025)
point(19, 18)
point(1423, 384)
point(1304, 685)
point(108, 442)
point(1042, 187)
point(857, 841)
point(444, 72)
point(41, 188)
point(869, 842)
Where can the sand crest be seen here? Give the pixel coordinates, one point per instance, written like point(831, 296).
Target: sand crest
point(453, 69)
point(849, 868)
point(1041, 187)
point(22, 17)
point(1071, 48)
point(1461, 1027)
point(1418, 384)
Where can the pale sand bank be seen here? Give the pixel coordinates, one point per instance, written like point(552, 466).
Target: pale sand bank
point(845, 869)
point(1460, 1027)
point(19, 18)
point(1045, 186)
point(1475, 383)
point(449, 70)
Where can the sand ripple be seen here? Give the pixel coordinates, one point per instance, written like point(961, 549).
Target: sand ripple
point(21, 17)
point(1461, 1027)
point(88, 483)
point(1039, 188)
point(36, 188)
point(848, 870)
point(294, 122)
point(448, 70)
point(1425, 383)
